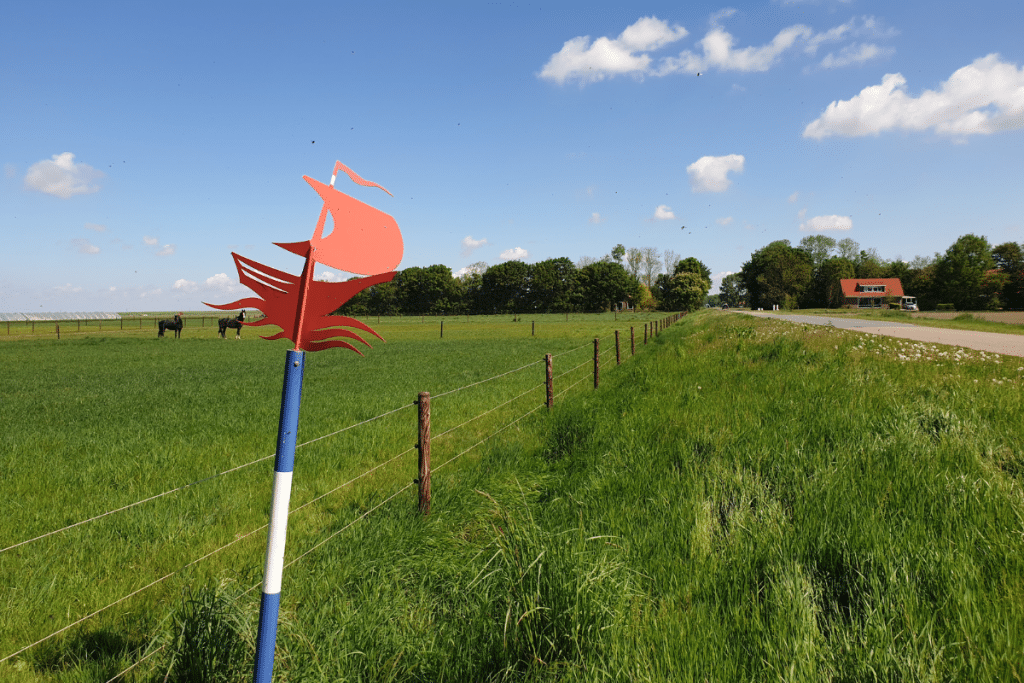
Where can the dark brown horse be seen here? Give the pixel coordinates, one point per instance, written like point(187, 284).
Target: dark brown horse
point(175, 325)
point(233, 323)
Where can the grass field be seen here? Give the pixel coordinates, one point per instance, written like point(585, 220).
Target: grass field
point(745, 500)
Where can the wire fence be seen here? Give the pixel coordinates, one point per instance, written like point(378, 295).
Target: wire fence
point(601, 358)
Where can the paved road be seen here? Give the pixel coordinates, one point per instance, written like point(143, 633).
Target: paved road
point(990, 342)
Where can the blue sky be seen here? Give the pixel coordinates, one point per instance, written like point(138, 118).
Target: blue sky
point(141, 143)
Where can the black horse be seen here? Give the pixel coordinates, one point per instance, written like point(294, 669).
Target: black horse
point(233, 323)
point(175, 325)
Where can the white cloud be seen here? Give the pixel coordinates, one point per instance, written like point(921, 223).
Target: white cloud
point(663, 213)
point(68, 288)
point(84, 247)
point(724, 221)
point(823, 223)
point(477, 268)
point(985, 97)
point(221, 284)
point(185, 285)
point(328, 276)
point(606, 57)
point(62, 177)
point(801, 213)
point(595, 218)
point(167, 250)
point(793, 197)
point(514, 254)
point(710, 174)
point(469, 245)
point(96, 227)
point(151, 241)
point(855, 54)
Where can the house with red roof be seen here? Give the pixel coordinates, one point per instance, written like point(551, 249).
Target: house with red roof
point(870, 292)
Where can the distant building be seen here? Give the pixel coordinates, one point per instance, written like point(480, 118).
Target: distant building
point(870, 292)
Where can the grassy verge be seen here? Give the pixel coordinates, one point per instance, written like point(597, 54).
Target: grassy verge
point(961, 321)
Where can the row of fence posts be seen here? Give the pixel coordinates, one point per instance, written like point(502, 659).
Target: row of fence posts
point(422, 401)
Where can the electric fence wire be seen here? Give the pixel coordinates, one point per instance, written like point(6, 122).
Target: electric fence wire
point(556, 355)
point(241, 467)
point(135, 664)
point(586, 362)
point(448, 431)
point(210, 554)
point(486, 438)
point(452, 391)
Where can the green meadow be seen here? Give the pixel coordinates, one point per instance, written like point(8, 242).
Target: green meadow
point(744, 500)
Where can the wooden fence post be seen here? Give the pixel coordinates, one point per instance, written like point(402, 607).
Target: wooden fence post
point(618, 360)
point(632, 342)
point(533, 328)
point(597, 362)
point(645, 334)
point(550, 381)
point(424, 448)
point(58, 330)
point(442, 329)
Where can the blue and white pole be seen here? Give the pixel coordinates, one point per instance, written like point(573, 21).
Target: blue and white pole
point(284, 463)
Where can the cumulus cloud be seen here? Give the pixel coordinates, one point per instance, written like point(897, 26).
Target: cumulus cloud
point(469, 245)
point(588, 62)
point(167, 250)
point(185, 285)
point(95, 227)
point(663, 213)
point(710, 174)
point(62, 177)
point(514, 254)
point(595, 218)
point(724, 221)
point(984, 97)
point(84, 247)
point(328, 276)
point(855, 54)
point(151, 241)
point(824, 223)
point(607, 57)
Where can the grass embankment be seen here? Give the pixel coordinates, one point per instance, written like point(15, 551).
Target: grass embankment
point(747, 500)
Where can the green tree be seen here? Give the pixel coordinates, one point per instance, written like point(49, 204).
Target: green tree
point(430, 290)
point(1009, 258)
point(505, 288)
point(961, 273)
point(617, 253)
point(603, 284)
point(820, 247)
point(868, 264)
point(552, 285)
point(692, 265)
point(827, 286)
point(777, 274)
point(732, 290)
point(686, 291)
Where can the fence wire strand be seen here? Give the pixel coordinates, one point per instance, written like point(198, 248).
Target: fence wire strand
point(586, 362)
point(492, 434)
point(134, 593)
point(533, 388)
point(452, 391)
point(139, 661)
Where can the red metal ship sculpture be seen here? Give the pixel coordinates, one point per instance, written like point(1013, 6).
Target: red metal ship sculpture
point(364, 241)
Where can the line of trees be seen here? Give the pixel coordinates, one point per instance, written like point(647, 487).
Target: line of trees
point(556, 285)
point(970, 275)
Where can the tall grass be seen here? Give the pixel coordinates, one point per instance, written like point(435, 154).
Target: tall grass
point(746, 500)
